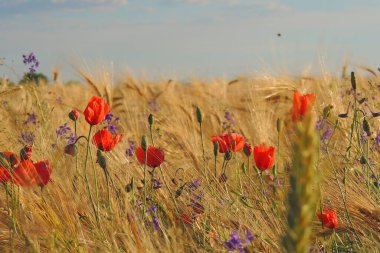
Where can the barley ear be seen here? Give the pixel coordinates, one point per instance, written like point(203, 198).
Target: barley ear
point(302, 194)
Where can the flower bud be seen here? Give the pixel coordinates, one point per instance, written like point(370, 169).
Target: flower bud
point(327, 111)
point(366, 127)
point(129, 187)
point(247, 149)
point(71, 149)
point(223, 178)
point(363, 160)
point(74, 115)
point(280, 125)
point(101, 159)
point(353, 81)
point(199, 115)
point(26, 153)
point(216, 148)
point(228, 155)
point(151, 119)
point(144, 143)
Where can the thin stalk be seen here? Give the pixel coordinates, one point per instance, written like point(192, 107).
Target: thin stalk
point(203, 152)
point(170, 192)
point(145, 183)
point(86, 177)
point(151, 134)
point(76, 155)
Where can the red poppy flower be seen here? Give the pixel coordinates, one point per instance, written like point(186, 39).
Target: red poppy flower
point(44, 170)
point(25, 173)
point(9, 158)
point(263, 156)
point(4, 175)
point(96, 110)
point(229, 141)
point(155, 156)
point(105, 141)
point(329, 218)
point(301, 104)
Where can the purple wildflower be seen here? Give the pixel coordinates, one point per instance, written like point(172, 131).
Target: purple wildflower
point(108, 117)
point(377, 139)
point(130, 151)
point(156, 224)
point(111, 122)
point(157, 184)
point(32, 119)
point(112, 129)
point(63, 130)
point(195, 184)
point(250, 236)
point(71, 139)
point(27, 138)
point(152, 209)
point(236, 243)
point(32, 61)
point(229, 120)
point(320, 123)
point(327, 134)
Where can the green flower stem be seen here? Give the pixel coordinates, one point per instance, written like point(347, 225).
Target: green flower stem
point(86, 177)
point(145, 160)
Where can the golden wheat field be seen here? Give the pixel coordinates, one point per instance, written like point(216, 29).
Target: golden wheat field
point(329, 159)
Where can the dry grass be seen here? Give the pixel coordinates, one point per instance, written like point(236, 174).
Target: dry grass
point(61, 219)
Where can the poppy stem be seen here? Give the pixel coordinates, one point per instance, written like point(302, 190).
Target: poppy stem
point(76, 153)
point(145, 161)
point(323, 225)
point(151, 133)
point(86, 177)
point(215, 158)
point(203, 151)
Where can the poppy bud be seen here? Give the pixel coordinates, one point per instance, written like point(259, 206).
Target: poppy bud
point(228, 155)
point(223, 178)
point(129, 187)
point(216, 148)
point(353, 81)
point(361, 101)
point(199, 115)
point(247, 149)
point(366, 127)
point(363, 160)
point(280, 125)
point(26, 152)
point(151, 119)
point(101, 159)
point(74, 115)
point(179, 191)
point(71, 149)
point(144, 143)
point(376, 184)
point(327, 111)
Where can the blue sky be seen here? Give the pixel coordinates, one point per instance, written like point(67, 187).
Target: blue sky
point(184, 38)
